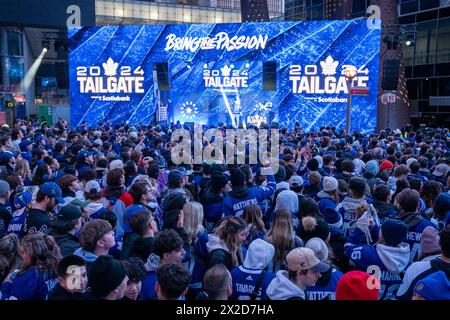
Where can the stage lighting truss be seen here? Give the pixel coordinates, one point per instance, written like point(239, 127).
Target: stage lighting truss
point(189, 110)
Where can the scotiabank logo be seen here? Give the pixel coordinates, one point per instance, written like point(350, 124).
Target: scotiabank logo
point(226, 78)
point(110, 79)
point(308, 80)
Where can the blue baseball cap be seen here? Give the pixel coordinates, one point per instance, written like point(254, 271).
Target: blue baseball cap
point(436, 286)
point(7, 155)
point(39, 138)
point(129, 213)
point(84, 154)
point(21, 200)
point(24, 144)
point(51, 189)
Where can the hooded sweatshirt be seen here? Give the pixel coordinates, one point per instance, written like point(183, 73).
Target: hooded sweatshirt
point(392, 261)
point(416, 224)
point(148, 291)
point(288, 199)
point(281, 288)
point(95, 209)
point(87, 256)
point(325, 288)
point(347, 209)
point(241, 197)
point(418, 271)
point(218, 252)
point(246, 276)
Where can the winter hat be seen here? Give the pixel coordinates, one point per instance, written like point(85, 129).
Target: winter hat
point(105, 275)
point(287, 199)
point(429, 242)
point(353, 285)
point(21, 200)
point(394, 232)
point(237, 177)
point(319, 247)
point(116, 164)
point(218, 181)
point(372, 167)
point(434, 287)
point(310, 227)
point(175, 200)
point(440, 170)
point(386, 164)
point(296, 181)
point(332, 217)
point(259, 254)
point(281, 174)
point(442, 205)
point(359, 165)
point(330, 184)
point(4, 188)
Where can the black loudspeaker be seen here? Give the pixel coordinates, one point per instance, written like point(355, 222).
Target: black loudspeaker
point(391, 72)
point(162, 75)
point(270, 76)
point(62, 76)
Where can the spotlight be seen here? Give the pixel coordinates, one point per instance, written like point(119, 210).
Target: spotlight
point(45, 45)
point(410, 40)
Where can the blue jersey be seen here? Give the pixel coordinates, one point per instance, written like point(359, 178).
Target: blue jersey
point(16, 225)
point(29, 285)
point(244, 282)
point(387, 263)
point(148, 291)
point(325, 291)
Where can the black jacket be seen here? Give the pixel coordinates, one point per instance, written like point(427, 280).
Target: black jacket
point(67, 243)
point(60, 294)
point(5, 217)
point(219, 256)
point(142, 247)
point(37, 221)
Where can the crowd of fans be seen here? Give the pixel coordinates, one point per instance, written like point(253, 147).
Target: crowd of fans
point(103, 212)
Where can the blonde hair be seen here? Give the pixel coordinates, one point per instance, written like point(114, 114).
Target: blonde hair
point(23, 168)
point(227, 231)
point(281, 234)
point(193, 219)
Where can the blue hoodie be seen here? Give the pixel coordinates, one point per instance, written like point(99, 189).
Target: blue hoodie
point(87, 256)
point(148, 291)
point(392, 261)
point(241, 197)
point(30, 285)
point(416, 224)
point(258, 257)
point(325, 288)
point(198, 261)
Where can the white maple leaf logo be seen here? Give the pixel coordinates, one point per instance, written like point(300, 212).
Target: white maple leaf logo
point(329, 66)
point(110, 67)
point(226, 70)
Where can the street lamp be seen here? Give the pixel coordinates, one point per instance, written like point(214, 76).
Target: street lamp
point(350, 73)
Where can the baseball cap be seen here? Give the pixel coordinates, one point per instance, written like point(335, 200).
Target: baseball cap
point(4, 188)
point(116, 164)
point(304, 259)
point(296, 181)
point(6, 156)
point(92, 187)
point(21, 200)
point(386, 164)
point(129, 213)
point(51, 189)
point(441, 170)
point(84, 154)
point(175, 176)
point(66, 215)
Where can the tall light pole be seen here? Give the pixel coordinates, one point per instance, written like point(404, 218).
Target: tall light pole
point(350, 73)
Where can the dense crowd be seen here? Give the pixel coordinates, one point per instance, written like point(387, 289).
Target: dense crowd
point(103, 212)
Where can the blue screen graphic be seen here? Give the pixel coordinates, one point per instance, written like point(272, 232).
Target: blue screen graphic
point(216, 73)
